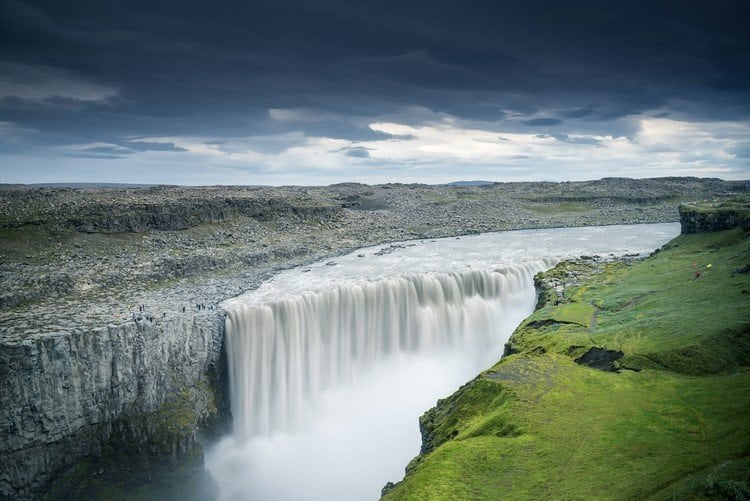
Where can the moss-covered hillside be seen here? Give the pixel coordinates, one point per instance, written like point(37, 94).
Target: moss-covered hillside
point(634, 383)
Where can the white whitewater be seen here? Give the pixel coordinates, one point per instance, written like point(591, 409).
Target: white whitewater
point(332, 364)
point(285, 354)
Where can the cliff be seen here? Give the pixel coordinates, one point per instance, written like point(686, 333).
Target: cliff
point(67, 396)
point(715, 216)
point(629, 381)
point(82, 380)
point(164, 208)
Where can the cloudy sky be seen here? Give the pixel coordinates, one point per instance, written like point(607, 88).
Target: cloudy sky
point(324, 91)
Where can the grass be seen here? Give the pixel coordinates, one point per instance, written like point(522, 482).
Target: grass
point(30, 243)
point(38, 244)
point(539, 426)
point(728, 480)
point(739, 204)
point(437, 199)
point(555, 208)
point(473, 195)
point(660, 310)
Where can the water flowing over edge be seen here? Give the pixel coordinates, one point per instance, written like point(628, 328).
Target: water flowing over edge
point(283, 354)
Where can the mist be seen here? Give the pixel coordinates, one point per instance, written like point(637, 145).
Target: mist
point(360, 437)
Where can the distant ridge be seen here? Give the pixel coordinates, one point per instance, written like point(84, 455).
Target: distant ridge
point(90, 185)
point(470, 183)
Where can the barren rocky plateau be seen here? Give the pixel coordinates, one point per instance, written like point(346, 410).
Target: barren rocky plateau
point(75, 258)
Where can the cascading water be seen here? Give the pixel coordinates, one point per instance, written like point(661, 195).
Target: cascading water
point(286, 353)
point(331, 366)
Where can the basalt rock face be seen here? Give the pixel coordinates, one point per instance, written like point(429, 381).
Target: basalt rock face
point(188, 213)
point(705, 218)
point(66, 396)
point(600, 358)
point(143, 217)
point(164, 208)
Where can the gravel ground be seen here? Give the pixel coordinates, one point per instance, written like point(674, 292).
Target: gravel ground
point(75, 258)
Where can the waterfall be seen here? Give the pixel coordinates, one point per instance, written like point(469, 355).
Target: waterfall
point(284, 353)
point(332, 363)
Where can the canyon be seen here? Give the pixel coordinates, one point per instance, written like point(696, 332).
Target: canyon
point(113, 334)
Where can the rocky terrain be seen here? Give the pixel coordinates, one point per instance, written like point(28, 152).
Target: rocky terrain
point(697, 217)
point(110, 297)
point(71, 257)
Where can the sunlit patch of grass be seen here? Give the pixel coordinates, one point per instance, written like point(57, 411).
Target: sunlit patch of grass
point(539, 426)
point(583, 433)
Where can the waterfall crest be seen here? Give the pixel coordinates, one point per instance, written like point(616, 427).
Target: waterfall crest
point(283, 354)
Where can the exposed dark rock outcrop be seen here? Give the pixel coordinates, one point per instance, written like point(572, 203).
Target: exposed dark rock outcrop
point(187, 213)
point(709, 217)
point(600, 358)
point(509, 349)
point(67, 396)
point(158, 208)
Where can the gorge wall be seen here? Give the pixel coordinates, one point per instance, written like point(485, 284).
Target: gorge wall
point(65, 396)
point(77, 373)
point(708, 217)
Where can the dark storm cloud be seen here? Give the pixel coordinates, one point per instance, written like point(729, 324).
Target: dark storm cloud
point(565, 138)
point(322, 122)
point(357, 152)
point(579, 112)
point(215, 69)
point(541, 122)
point(102, 152)
point(152, 146)
point(114, 151)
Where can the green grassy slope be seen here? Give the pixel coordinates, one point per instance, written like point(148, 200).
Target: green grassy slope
point(673, 422)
